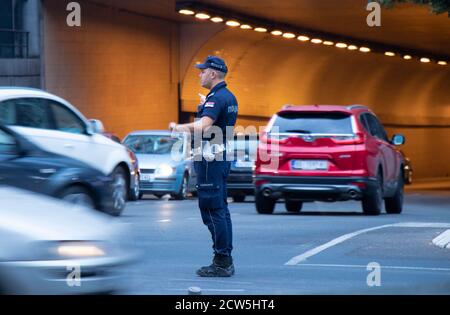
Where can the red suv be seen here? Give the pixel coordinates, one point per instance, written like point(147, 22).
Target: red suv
point(328, 153)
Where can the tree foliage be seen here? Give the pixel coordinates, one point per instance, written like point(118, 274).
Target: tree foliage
point(436, 6)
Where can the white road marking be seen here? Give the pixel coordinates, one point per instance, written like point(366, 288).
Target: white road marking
point(163, 221)
point(212, 290)
point(211, 280)
point(443, 240)
point(298, 259)
point(435, 225)
point(382, 267)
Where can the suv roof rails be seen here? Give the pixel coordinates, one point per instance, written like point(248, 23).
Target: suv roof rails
point(356, 107)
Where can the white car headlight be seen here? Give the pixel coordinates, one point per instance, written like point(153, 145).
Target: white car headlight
point(79, 250)
point(164, 170)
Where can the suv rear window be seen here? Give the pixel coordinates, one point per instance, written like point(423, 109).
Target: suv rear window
point(313, 123)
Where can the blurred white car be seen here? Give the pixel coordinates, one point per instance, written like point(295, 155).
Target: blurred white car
point(48, 246)
point(55, 125)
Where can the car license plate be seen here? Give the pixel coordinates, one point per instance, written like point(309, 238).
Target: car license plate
point(244, 164)
point(147, 177)
point(310, 165)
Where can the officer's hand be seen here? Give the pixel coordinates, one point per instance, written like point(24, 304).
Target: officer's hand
point(202, 98)
point(172, 126)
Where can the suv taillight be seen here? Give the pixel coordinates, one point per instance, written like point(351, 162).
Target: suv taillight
point(358, 138)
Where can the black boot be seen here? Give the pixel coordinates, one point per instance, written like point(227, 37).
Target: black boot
point(222, 266)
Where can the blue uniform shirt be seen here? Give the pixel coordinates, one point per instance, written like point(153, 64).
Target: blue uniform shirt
point(221, 106)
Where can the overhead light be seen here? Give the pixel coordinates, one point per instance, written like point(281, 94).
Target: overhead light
point(186, 12)
point(288, 35)
point(364, 49)
point(276, 33)
point(303, 38)
point(206, 14)
point(232, 23)
point(202, 16)
point(261, 29)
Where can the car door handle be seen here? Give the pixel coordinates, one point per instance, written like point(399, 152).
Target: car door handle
point(68, 146)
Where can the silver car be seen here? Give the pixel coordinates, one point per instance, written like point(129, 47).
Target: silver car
point(165, 162)
point(48, 246)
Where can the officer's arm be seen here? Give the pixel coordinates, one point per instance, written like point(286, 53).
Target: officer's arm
point(203, 124)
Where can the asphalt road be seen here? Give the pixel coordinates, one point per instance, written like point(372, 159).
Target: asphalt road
point(281, 253)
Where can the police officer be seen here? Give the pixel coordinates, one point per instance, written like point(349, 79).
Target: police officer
point(219, 111)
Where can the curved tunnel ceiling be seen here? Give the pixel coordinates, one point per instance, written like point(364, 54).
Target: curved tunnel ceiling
point(406, 25)
point(268, 72)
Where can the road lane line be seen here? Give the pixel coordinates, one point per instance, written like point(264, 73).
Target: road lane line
point(298, 259)
point(436, 225)
point(443, 240)
point(212, 290)
point(211, 281)
point(382, 267)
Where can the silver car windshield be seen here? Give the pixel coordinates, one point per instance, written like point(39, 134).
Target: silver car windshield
point(154, 144)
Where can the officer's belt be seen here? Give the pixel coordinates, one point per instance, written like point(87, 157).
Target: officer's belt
point(209, 149)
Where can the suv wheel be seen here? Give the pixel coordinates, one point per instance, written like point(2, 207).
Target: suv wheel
point(293, 205)
point(238, 198)
point(394, 204)
point(264, 205)
point(372, 203)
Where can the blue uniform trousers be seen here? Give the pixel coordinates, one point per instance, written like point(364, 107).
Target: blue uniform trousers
point(212, 194)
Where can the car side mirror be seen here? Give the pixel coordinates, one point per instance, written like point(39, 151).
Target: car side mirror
point(97, 126)
point(398, 140)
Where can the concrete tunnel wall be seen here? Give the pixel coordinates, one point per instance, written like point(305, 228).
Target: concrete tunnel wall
point(267, 72)
point(119, 67)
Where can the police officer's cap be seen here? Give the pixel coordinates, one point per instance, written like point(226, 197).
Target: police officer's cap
point(215, 63)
